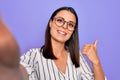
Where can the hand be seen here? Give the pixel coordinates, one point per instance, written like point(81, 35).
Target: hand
point(90, 50)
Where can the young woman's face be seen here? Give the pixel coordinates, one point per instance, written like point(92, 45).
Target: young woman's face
point(62, 26)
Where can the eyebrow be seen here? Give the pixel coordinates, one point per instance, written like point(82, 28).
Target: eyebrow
point(65, 20)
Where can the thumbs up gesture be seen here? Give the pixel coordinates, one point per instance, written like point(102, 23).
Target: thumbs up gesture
point(90, 50)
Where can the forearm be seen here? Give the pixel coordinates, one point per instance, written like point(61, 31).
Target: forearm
point(98, 71)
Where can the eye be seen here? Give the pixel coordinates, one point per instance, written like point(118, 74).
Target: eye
point(59, 20)
point(71, 25)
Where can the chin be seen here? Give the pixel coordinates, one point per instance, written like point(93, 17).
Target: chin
point(62, 40)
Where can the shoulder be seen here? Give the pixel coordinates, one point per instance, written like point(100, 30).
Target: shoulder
point(28, 61)
point(30, 56)
point(32, 52)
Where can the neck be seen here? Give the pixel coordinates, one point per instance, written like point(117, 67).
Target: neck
point(58, 48)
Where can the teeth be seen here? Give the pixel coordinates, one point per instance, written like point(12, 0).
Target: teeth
point(61, 32)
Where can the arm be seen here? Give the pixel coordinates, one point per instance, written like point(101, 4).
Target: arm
point(90, 50)
point(98, 71)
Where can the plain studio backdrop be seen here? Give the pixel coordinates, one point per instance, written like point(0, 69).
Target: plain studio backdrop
point(98, 19)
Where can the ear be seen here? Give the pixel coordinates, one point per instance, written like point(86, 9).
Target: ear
point(50, 23)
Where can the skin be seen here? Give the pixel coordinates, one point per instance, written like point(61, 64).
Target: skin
point(10, 68)
point(58, 42)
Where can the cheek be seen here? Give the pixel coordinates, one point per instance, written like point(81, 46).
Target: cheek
point(69, 35)
point(52, 26)
point(52, 32)
point(53, 29)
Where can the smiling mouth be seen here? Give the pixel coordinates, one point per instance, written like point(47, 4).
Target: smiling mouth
point(62, 32)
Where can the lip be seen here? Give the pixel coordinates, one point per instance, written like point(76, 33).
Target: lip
point(62, 32)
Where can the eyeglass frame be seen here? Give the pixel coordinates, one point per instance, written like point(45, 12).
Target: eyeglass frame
point(54, 19)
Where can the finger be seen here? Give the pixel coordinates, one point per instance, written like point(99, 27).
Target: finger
point(87, 46)
point(86, 49)
point(95, 43)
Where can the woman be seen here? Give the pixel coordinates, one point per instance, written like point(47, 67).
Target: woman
point(59, 58)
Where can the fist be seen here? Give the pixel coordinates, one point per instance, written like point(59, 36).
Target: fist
point(90, 50)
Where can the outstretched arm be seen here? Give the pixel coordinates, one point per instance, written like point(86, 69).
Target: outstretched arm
point(10, 68)
point(90, 50)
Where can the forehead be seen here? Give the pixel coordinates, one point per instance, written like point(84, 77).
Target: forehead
point(67, 15)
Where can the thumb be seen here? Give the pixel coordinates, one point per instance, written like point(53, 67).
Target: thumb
point(95, 43)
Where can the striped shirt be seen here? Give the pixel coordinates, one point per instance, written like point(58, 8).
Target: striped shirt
point(40, 68)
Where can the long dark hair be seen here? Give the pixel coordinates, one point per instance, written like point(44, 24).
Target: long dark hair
point(72, 43)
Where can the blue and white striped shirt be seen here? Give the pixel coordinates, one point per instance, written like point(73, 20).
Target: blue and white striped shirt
point(40, 68)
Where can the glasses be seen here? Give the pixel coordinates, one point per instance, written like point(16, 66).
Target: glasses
point(59, 21)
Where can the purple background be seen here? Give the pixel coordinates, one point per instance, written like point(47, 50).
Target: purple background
point(98, 19)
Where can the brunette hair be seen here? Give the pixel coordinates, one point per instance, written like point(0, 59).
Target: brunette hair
point(72, 44)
